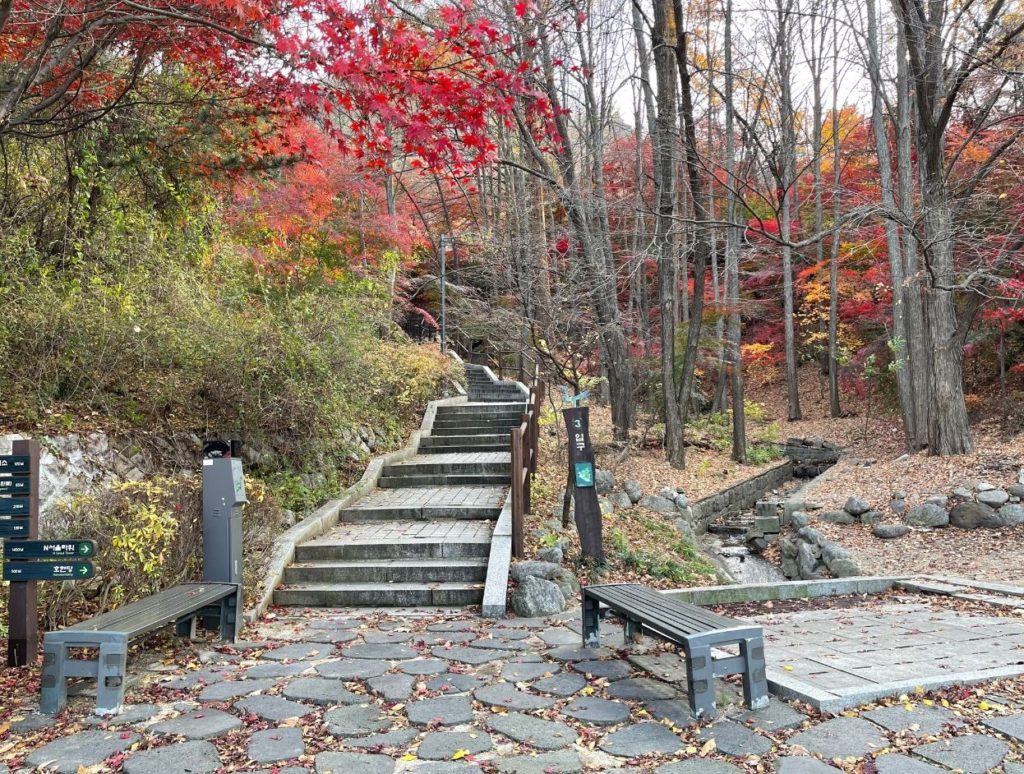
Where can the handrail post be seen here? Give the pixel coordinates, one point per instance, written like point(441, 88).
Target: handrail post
point(516, 449)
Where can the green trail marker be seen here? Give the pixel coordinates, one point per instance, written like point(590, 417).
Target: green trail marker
point(15, 506)
point(14, 528)
point(41, 571)
point(15, 463)
point(19, 485)
point(49, 549)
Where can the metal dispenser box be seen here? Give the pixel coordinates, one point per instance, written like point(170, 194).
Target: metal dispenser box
point(223, 498)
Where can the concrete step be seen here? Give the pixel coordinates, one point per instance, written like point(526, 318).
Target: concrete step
point(454, 468)
point(375, 594)
point(480, 430)
point(497, 410)
point(462, 447)
point(401, 482)
point(389, 571)
point(471, 442)
point(484, 423)
point(421, 513)
point(398, 548)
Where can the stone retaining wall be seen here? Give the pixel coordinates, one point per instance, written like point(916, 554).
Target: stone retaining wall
point(739, 497)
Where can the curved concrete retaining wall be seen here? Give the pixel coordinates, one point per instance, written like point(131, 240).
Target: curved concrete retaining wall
point(739, 497)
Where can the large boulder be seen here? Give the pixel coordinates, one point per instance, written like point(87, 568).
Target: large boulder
point(567, 584)
point(927, 515)
point(534, 569)
point(838, 517)
point(810, 535)
point(552, 555)
point(604, 481)
point(620, 500)
point(799, 520)
point(1016, 490)
point(890, 531)
point(855, 506)
point(838, 560)
point(993, 498)
point(1011, 514)
point(971, 515)
point(658, 504)
point(633, 491)
point(535, 597)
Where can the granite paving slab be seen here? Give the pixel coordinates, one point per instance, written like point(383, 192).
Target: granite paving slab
point(579, 653)
point(182, 758)
point(508, 632)
point(399, 739)
point(736, 740)
point(352, 668)
point(299, 651)
point(561, 762)
point(467, 655)
point(841, 738)
point(641, 688)
point(698, 766)
point(442, 745)
point(451, 626)
point(562, 684)
point(350, 763)
point(320, 690)
point(86, 748)
point(641, 739)
point(206, 676)
point(129, 716)
point(276, 670)
point(668, 667)
point(31, 722)
point(776, 715)
point(597, 711)
point(800, 765)
point(508, 696)
point(424, 666)
point(377, 652)
point(972, 753)
point(519, 671)
point(537, 732)
point(500, 643)
point(447, 767)
point(273, 745)
point(233, 689)
point(894, 763)
point(675, 711)
point(331, 636)
point(918, 720)
point(1009, 725)
point(200, 724)
point(386, 638)
point(356, 720)
point(444, 710)
point(391, 687)
point(276, 770)
point(560, 636)
point(273, 708)
point(611, 669)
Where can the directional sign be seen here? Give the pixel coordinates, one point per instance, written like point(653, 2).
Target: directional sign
point(14, 463)
point(46, 549)
point(14, 528)
point(14, 506)
point(62, 571)
point(14, 485)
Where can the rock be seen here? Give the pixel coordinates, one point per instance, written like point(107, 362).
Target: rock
point(855, 506)
point(971, 753)
point(363, 763)
point(838, 517)
point(567, 584)
point(810, 535)
point(898, 506)
point(806, 561)
point(667, 492)
point(890, 531)
point(607, 509)
point(604, 481)
point(535, 597)
point(357, 720)
point(681, 501)
point(561, 684)
point(84, 749)
point(641, 739)
point(273, 708)
point(993, 498)
point(799, 520)
point(1017, 490)
point(841, 738)
point(185, 757)
point(984, 486)
point(522, 570)
point(788, 548)
point(844, 568)
point(271, 746)
point(927, 515)
point(940, 500)
point(658, 504)
point(962, 493)
point(1011, 514)
point(870, 517)
point(552, 555)
point(444, 710)
point(633, 491)
point(640, 689)
point(620, 500)
point(508, 696)
point(540, 733)
point(970, 515)
point(202, 724)
point(442, 745)
point(597, 711)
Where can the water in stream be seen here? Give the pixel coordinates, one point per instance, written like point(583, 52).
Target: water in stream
point(747, 567)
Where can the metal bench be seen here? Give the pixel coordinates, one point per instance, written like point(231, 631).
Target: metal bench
point(644, 611)
point(111, 632)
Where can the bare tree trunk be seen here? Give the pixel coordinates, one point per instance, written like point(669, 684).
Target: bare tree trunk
point(833, 265)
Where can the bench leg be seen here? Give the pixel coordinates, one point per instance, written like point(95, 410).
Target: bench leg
point(700, 673)
point(755, 681)
point(630, 629)
point(54, 683)
point(591, 622)
point(110, 677)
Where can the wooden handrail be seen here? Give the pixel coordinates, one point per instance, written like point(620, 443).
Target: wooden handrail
point(523, 442)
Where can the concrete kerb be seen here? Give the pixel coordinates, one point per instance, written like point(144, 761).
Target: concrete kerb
point(772, 592)
point(498, 564)
point(282, 553)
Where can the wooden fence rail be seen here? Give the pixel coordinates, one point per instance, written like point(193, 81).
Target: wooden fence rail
point(523, 441)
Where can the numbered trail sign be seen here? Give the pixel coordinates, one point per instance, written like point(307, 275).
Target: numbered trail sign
point(583, 473)
point(14, 528)
point(37, 571)
point(49, 549)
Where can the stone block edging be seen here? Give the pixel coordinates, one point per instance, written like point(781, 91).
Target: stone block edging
point(806, 589)
point(282, 553)
point(498, 564)
point(739, 496)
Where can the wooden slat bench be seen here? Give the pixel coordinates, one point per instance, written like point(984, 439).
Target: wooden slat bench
point(111, 632)
point(696, 630)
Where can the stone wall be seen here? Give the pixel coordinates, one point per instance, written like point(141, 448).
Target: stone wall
point(739, 497)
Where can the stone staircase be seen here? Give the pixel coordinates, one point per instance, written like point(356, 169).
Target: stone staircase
point(423, 536)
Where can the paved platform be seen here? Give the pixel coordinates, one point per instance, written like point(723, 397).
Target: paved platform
point(835, 659)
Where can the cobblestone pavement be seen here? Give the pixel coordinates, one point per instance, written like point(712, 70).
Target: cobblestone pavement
point(384, 692)
point(845, 658)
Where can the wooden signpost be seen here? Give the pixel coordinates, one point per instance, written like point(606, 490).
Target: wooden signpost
point(63, 560)
point(582, 476)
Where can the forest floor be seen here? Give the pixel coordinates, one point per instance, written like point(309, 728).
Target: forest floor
point(873, 466)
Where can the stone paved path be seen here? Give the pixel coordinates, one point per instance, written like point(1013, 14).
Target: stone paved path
point(391, 691)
